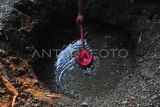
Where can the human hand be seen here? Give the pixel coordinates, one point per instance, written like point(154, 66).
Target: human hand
point(79, 19)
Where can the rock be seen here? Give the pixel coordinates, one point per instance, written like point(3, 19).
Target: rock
point(159, 68)
point(2, 91)
point(84, 104)
point(133, 98)
point(3, 53)
point(154, 97)
point(125, 102)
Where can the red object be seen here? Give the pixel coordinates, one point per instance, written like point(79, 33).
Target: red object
point(84, 57)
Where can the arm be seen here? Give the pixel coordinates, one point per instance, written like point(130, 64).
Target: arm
point(80, 17)
point(81, 4)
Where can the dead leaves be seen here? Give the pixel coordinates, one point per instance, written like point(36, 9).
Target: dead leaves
point(11, 88)
point(8, 85)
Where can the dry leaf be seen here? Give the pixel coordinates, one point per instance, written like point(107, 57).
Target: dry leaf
point(11, 88)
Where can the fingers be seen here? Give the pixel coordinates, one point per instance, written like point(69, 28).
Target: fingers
point(79, 21)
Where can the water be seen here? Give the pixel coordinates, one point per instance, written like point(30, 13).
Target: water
point(67, 60)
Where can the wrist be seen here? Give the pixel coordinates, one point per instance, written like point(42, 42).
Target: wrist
point(80, 15)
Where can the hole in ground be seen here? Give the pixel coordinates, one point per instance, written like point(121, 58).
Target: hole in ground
point(52, 35)
point(111, 69)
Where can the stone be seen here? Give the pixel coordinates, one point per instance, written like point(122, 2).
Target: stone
point(3, 53)
point(84, 104)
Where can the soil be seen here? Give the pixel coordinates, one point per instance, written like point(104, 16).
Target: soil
point(29, 25)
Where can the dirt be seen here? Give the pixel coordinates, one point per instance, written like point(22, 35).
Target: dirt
point(118, 82)
point(31, 91)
